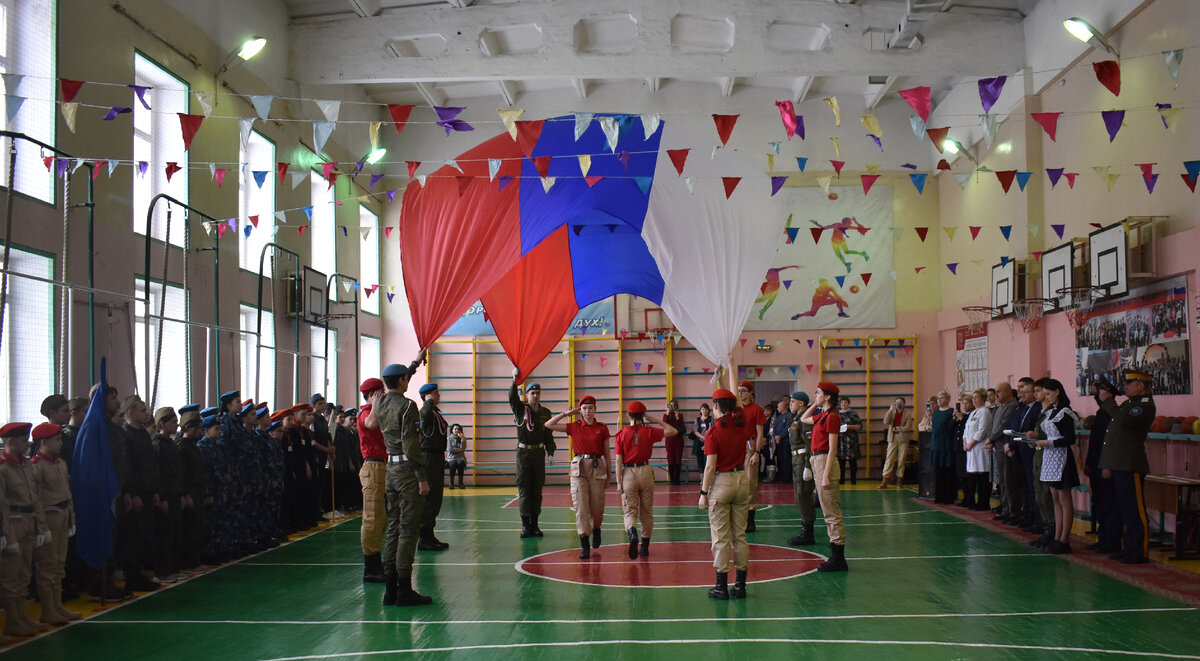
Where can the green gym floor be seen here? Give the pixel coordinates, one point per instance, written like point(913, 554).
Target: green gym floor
point(924, 583)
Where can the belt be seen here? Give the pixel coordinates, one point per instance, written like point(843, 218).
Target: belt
point(820, 452)
point(375, 459)
point(396, 458)
point(797, 453)
point(734, 470)
point(23, 509)
point(590, 456)
point(638, 465)
point(532, 446)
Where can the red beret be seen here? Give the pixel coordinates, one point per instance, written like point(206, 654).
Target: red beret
point(280, 415)
point(587, 399)
point(724, 394)
point(747, 385)
point(14, 429)
point(635, 407)
point(45, 430)
point(248, 402)
point(301, 407)
point(370, 385)
point(828, 388)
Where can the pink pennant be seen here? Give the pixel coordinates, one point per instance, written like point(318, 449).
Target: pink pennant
point(837, 167)
point(787, 112)
point(96, 167)
point(918, 99)
point(603, 361)
point(678, 158)
point(1147, 169)
point(868, 180)
point(1048, 122)
point(724, 126)
point(222, 228)
point(918, 269)
point(1108, 72)
point(743, 341)
point(730, 184)
point(172, 168)
point(327, 168)
point(219, 175)
point(189, 124)
point(809, 367)
point(1071, 179)
point(1037, 255)
point(387, 231)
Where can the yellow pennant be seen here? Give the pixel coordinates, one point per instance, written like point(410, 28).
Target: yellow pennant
point(837, 110)
point(950, 231)
point(871, 123)
point(585, 163)
point(510, 116)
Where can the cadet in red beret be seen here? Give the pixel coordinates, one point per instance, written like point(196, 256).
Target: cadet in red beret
point(826, 422)
point(54, 491)
point(755, 418)
point(590, 469)
point(635, 476)
point(373, 476)
point(725, 493)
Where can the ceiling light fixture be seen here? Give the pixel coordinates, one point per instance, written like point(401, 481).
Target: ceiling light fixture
point(952, 146)
point(375, 155)
point(1087, 33)
point(249, 48)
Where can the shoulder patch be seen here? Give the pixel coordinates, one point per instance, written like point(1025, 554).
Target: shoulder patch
point(1137, 410)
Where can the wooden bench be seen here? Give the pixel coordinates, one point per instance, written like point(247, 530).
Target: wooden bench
point(1179, 496)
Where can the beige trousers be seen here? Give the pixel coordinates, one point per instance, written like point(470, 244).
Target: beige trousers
point(637, 498)
point(751, 465)
point(831, 505)
point(897, 451)
point(17, 568)
point(51, 559)
point(728, 505)
point(587, 492)
point(373, 476)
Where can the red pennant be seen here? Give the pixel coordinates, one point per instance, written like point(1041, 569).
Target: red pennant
point(399, 115)
point(412, 168)
point(219, 175)
point(527, 135)
point(816, 233)
point(1191, 183)
point(758, 371)
point(938, 136)
point(886, 342)
point(327, 169)
point(1071, 178)
point(1108, 72)
point(591, 181)
point(1147, 169)
point(918, 99)
point(743, 341)
point(1006, 178)
point(859, 359)
point(866, 278)
point(943, 164)
point(809, 367)
point(1037, 255)
point(1096, 225)
point(974, 231)
point(837, 167)
point(300, 230)
point(172, 168)
point(387, 231)
point(678, 157)
point(96, 167)
point(222, 228)
point(1049, 122)
point(730, 182)
point(189, 124)
point(868, 180)
point(48, 161)
point(69, 88)
point(542, 163)
point(725, 126)
point(921, 233)
point(918, 269)
point(649, 367)
point(463, 182)
point(841, 342)
point(254, 221)
point(282, 169)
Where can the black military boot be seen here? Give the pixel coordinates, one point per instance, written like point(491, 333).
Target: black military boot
point(721, 589)
point(633, 543)
point(407, 596)
point(373, 569)
point(595, 538)
point(837, 559)
point(526, 528)
point(738, 591)
point(750, 527)
point(427, 541)
point(645, 547)
point(805, 538)
point(389, 590)
point(585, 547)
point(537, 532)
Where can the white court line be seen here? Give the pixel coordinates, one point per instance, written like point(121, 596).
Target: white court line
point(696, 515)
point(567, 526)
point(742, 641)
point(684, 620)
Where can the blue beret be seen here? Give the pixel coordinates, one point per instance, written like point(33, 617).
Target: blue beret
point(190, 408)
point(232, 394)
point(533, 386)
point(428, 388)
point(352, 413)
point(275, 425)
point(209, 421)
point(262, 411)
point(801, 395)
point(315, 398)
point(212, 410)
point(395, 369)
point(246, 409)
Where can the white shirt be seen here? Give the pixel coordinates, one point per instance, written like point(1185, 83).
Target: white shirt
point(979, 460)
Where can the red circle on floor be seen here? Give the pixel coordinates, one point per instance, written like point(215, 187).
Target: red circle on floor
point(669, 565)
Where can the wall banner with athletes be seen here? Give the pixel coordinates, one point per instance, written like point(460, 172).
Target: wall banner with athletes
point(971, 353)
point(1145, 330)
point(833, 266)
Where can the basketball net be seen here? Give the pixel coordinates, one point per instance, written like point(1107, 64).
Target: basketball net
point(661, 337)
point(1029, 312)
point(978, 315)
point(1082, 301)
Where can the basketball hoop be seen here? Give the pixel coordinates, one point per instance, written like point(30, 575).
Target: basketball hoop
point(1082, 300)
point(659, 338)
point(978, 315)
point(1029, 312)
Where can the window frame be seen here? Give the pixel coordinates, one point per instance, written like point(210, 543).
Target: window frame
point(184, 160)
point(266, 222)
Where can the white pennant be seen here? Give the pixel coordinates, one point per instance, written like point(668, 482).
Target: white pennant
point(321, 133)
point(1173, 59)
point(13, 105)
point(962, 178)
point(691, 184)
point(298, 178)
point(918, 125)
point(824, 183)
point(244, 126)
point(582, 120)
point(205, 99)
point(989, 126)
point(454, 164)
point(373, 132)
point(112, 165)
point(774, 146)
point(262, 105)
point(421, 179)
point(713, 155)
point(650, 123)
point(366, 231)
point(611, 129)
point(548, 183)
point(209, 229)
point(212, 171)
point(493, 168)
point(510, 116)
point(348, 285)
point(329, 108)
point(281, 216)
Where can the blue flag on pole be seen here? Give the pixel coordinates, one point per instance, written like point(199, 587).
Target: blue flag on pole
point(94, 484)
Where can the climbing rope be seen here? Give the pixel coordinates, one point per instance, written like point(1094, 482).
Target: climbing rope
point(64, 291)
point(162, 309)
point(8, 205)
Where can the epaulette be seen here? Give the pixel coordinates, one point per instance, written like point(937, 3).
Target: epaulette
point(1145, 398)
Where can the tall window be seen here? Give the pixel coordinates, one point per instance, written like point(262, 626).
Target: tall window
point(323, 231)
point(317, 380)
point(258, 379)
point(258, 161)
point(158, 141)
point(370, 355)
point(27, 29)
point(172, 373)
point(369, 258)
point(27, 352)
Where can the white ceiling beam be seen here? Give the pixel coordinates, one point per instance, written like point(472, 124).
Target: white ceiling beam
point(654, 83)
point(727, 83)
point(873, 98)
point(800, 89)
point(353, 51)
point(581, 88)
point(365, 8)
point(506, 92)
point(432, 95)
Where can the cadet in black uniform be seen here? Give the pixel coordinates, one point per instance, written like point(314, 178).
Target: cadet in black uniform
point(171, 488)
point(433, 442)
point(135, 539)
point(194, 499)
point(534, 444)
point(1123, 459)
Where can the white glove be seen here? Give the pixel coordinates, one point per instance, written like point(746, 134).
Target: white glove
point(549, 460)
point(516, 372)
point(71, 531)
point(13, 548)
point(39, 540)
point(807, 474)
point(843, 428)
point(48, 538)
